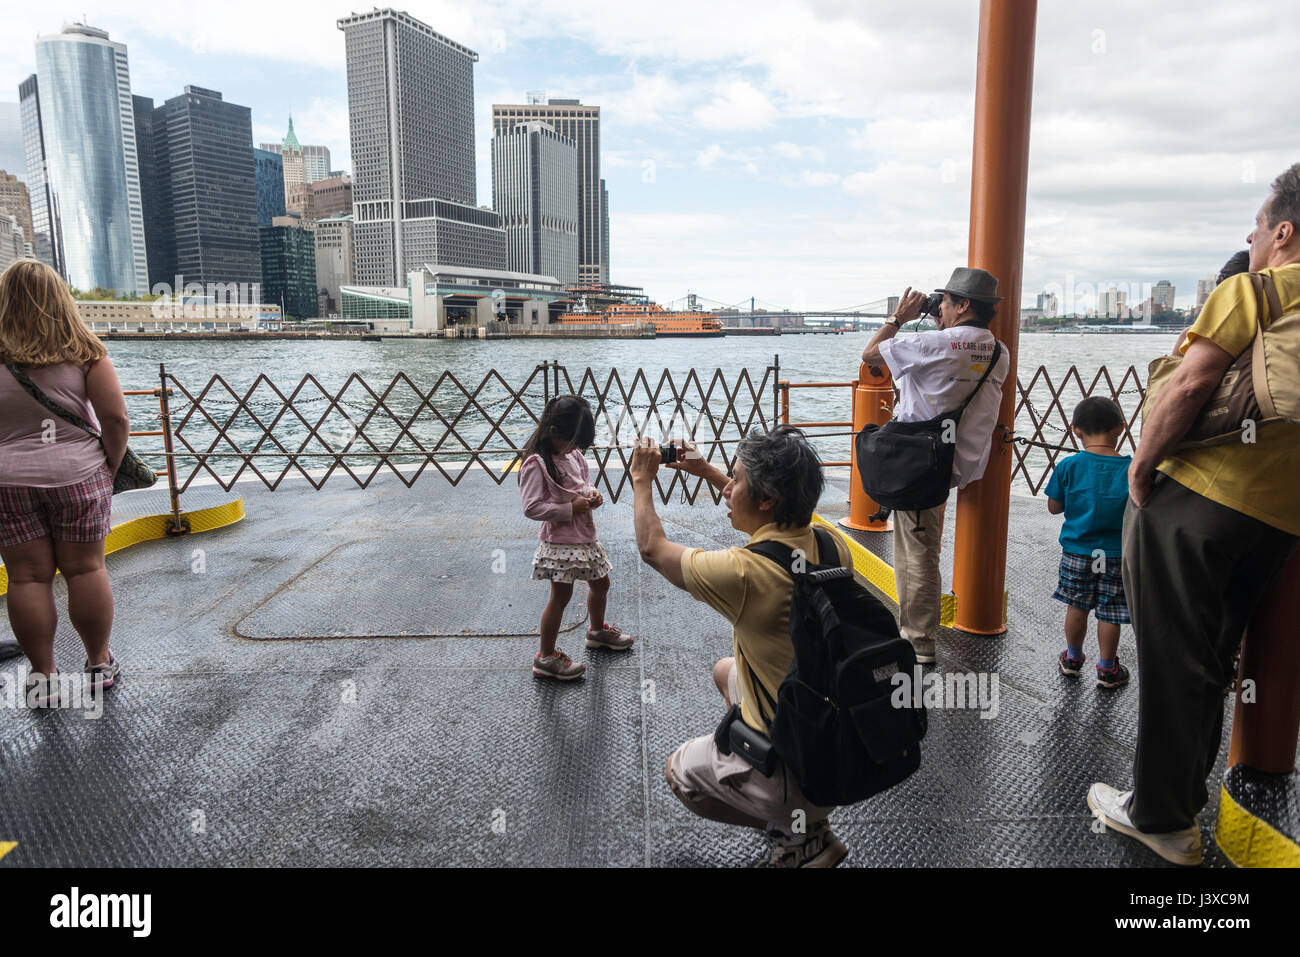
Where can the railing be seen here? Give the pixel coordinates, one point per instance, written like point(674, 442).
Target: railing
point(227, 434)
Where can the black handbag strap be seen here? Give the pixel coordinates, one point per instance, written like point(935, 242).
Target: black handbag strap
point(35, 391)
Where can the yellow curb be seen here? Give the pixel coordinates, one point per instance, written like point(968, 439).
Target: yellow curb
point(152, 527)
point(881, 574)
point(1248, 841)
point(6, 847)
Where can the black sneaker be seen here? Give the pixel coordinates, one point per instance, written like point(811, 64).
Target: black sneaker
point(1113, 678)
point(1070, 667)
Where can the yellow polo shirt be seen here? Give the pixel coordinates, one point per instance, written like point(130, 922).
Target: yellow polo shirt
point(1257, 479)
point(753, 593)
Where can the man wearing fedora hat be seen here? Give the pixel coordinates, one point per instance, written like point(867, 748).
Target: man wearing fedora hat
point(935, 372)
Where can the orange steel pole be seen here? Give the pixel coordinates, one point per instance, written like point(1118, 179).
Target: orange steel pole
point(1266, 727)
point(873, 401)
point(999, 179)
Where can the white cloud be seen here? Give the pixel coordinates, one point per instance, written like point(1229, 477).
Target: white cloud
point(738, 106)
point(819, 178)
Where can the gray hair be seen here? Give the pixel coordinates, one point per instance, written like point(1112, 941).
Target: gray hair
point(782, 465)
point(1284, 201)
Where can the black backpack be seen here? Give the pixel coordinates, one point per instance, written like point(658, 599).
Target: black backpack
point(833, 723)
point(907, 466)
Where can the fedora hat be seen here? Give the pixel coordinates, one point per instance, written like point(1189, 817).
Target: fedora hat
point(969, 283)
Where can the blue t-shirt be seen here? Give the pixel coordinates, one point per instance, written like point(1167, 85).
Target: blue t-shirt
point(1094, 490)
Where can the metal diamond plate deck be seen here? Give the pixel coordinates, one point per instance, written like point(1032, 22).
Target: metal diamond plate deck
point(220, 750)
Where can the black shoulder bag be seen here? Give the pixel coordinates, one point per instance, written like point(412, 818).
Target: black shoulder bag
point(907, 466)
point(132, 474)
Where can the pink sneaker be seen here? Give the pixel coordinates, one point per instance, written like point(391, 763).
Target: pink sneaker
point(558, 665)
point(609, 636)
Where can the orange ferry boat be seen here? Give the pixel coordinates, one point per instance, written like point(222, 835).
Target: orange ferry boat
point(665, 323)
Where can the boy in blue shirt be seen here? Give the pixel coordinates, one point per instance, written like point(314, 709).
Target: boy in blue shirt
point(1091, 488)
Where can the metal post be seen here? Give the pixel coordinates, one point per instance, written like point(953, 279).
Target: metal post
point(999, 177)
point(776, 389)
point(177, 524)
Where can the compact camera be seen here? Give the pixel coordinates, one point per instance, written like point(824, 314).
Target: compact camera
point(667, 454)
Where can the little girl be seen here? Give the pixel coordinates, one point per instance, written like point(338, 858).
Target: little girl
point(553, 482)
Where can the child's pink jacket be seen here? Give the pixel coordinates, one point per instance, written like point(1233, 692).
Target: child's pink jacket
point(551, 503)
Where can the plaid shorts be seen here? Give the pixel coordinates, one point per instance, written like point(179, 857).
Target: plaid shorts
point(1084, 588)
point(70, 513)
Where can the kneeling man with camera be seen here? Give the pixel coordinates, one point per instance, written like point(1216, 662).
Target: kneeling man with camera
point(810, 725)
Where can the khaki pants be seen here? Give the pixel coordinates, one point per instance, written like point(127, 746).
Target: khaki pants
point(916, 574)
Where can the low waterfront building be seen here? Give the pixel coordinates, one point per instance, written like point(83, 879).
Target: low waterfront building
point(188, 314)
point(437, 297)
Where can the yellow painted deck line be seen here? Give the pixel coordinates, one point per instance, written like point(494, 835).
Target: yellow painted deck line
point(881, 574)
point(6, 847)
point(152, 527)
point(1249, 841)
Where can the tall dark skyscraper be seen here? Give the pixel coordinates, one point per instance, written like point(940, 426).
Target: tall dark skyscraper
point(206, 182)
point(581, 124)
point(411, 116)
point(156, 230)
point(270, 186)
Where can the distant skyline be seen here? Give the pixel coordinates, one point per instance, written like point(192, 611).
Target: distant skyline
point(811, 154)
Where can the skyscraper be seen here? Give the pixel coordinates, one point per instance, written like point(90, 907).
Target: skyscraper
point(289, 268)
point(305, 163)
point(87, 133)
point(1163, 295)
point(581, 124)
point(535, 191)
point(413, 151)
point(45, 224)
point(207, 184)
point(1203, 289)
point(270, 186)
point(157, 228)
point(15, 201)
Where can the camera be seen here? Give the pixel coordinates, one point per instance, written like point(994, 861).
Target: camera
point(931, 305)
point(667, 454)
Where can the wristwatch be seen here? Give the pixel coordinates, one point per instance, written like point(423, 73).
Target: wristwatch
point(894, 320)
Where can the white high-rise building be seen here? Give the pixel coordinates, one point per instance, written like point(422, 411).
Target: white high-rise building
point(78, 116)
point(535, 191)
point(411, 119)
point(581, 124)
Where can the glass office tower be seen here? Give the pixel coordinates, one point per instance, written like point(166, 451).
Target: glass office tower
point(88, 129)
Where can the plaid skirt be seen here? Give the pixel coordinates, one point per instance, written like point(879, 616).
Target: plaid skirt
point(1080, 586)
point(564, 562)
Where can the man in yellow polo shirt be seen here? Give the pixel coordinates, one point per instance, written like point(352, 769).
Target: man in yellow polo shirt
point(1205, 533)
point(770, 496)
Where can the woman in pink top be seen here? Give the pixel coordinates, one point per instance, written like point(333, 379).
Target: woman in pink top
point(56, 480)
point(556, 491)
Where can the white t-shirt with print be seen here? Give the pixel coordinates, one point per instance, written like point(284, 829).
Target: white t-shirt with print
point(934, 372)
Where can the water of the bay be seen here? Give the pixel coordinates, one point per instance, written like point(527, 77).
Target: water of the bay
point(803, 358)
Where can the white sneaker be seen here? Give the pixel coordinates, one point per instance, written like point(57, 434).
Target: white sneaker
point(925, 650)
point(1111, 808)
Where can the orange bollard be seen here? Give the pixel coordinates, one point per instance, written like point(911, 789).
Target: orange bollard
point(1265, 730)
point(873, 402)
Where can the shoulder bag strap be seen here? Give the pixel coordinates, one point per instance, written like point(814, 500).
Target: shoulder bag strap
point(32, 389)
point(1270, 309)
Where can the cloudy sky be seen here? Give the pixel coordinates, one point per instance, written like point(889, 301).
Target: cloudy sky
point(810, 153)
